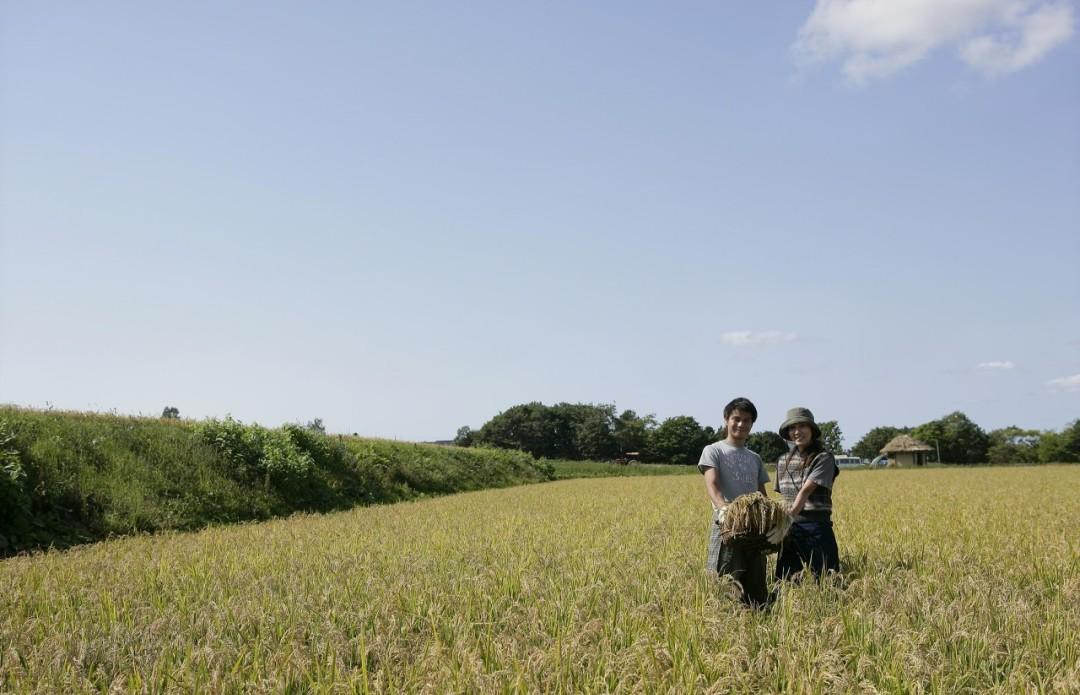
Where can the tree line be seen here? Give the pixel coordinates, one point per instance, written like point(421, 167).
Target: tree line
point(956, 439)
point(586, 431)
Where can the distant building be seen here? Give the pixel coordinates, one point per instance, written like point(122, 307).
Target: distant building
point(905, 450)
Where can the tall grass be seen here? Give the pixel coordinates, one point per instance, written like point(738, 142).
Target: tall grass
point(954, 581)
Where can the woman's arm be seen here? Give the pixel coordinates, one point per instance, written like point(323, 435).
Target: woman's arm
point(800, 499)
point(713, 490)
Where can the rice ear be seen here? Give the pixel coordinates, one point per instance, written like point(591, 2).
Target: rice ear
point(754, 514)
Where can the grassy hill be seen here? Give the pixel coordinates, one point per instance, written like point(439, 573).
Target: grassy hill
point(68, 478)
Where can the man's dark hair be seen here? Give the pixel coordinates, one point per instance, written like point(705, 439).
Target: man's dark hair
point(742, 404)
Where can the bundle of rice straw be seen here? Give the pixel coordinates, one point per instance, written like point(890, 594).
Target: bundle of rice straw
point(754, 522)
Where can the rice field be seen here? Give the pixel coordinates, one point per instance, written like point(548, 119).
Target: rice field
point(956, 580)
point(608, 469)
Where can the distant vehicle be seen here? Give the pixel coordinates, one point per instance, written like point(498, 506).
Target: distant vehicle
point(849, 462)
point(880, 462)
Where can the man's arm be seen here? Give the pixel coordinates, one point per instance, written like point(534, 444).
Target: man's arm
point(712, 489)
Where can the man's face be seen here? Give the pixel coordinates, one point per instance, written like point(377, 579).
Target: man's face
point(739, 423)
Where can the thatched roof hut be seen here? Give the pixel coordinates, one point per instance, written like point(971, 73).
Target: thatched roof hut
point(905, 442)
point(904, 449)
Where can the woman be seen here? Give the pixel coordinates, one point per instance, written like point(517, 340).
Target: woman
point(805, 478)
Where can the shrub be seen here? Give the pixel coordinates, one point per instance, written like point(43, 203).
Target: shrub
point(13, 498)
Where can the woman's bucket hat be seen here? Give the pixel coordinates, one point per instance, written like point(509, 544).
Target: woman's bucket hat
point(794, 417)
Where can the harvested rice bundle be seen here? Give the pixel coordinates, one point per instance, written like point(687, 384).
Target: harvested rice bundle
point(754, 522)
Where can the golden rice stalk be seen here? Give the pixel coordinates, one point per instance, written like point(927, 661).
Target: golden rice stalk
point(755, 515)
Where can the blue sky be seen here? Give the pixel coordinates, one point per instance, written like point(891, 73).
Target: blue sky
point(405, 217)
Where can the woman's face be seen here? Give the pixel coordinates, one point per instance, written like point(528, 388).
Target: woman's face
point(801, 434)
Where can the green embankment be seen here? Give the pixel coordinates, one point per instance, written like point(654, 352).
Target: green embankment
point(68, 478)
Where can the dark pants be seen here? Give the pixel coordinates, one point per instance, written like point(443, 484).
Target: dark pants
point(808, 544)
point(748, 568)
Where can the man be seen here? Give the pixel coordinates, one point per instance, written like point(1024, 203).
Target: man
point(732, 470)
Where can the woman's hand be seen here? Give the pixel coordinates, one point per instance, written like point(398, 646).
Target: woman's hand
point(800, 499)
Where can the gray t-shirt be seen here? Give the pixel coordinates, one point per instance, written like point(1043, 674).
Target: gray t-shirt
point(739, 470)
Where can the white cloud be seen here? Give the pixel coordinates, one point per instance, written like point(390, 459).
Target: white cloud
point(1041, 30)
point(874, 38)
point(756, 338)
point(1006, 364)
point(1066, 383)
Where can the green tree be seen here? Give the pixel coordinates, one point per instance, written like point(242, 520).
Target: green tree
point(170, 413)
point(831, 436)
point(565, 430)
point(1061, 447)
point(632, 433)
point(959, 439)
point(769, 445)
point(872, 442)
point(1071, 434)
point(1013, 445)
point(592, 429)
point(464, 436)
point(679, 440)
point(527, 427)
point(933, 433)
point(1052, 448)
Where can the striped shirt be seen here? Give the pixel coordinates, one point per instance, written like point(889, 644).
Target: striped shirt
point(792, 474)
